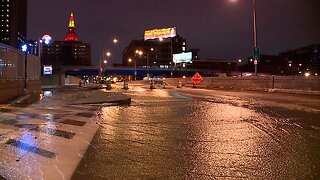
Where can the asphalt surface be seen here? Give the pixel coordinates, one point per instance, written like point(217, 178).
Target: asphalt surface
point(206, 134)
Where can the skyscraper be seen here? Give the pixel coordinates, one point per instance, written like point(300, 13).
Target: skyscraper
point(13, 23)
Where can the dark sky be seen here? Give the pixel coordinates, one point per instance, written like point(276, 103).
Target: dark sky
point(219, 28)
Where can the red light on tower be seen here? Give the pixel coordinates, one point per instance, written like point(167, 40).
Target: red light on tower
point(71, 35)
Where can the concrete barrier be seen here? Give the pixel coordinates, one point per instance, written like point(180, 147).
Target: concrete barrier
point(255, 83)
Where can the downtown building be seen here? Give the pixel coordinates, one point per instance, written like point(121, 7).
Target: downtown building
point(302, 60)
point(13, 24)
point(155, 53)
point(292, 62)
point(70, 52)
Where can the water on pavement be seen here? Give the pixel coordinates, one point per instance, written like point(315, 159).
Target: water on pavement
point(169, 135)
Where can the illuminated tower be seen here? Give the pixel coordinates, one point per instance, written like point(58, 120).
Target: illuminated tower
point(71, 35)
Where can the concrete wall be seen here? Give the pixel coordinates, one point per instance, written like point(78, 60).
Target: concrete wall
point(12, 73)
point(256, 83)
point(53, 81)
point(12, 89)
point(72, 80)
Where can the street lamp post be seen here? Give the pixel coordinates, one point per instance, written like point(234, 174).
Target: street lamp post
point(171, 57)
point(148, 64)
point(104, 61)
point(135, 68)
point(24, 49)
point(237, 66)
point(104, 53)
point(255, 36)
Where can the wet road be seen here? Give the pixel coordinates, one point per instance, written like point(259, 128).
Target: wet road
point(206, 134)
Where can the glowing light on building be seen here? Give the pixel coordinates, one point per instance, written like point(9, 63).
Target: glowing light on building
point(47, 39)
point(160, 33)
point(71, 35)
point(24, 48)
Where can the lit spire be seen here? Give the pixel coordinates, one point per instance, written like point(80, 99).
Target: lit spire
point(71, 35)
point(71, 21)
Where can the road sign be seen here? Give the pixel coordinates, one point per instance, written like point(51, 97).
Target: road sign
point(256, 53)
point(197, 78)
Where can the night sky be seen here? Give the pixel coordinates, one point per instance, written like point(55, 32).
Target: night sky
point(219, 28)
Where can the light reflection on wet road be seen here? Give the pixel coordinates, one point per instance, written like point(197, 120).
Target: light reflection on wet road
point(192, 135)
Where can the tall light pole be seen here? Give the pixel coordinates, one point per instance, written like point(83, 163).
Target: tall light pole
point(256, 52)
point(108, 54)
point(148, 64)
point(104, 53)
point(135, 67)
point(24, 49)
point(137, 52)
point(171, 58)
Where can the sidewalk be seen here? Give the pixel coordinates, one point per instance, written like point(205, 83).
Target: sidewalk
point(48, 138)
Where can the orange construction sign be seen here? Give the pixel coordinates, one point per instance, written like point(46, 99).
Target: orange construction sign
point(197, 78)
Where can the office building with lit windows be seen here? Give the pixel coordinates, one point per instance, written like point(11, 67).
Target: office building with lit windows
point(13, 23)
point(66, 53)
point(155, 53)
point(69, 52)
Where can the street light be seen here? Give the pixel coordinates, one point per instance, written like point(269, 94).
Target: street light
point(108, 54)
point(137, 52)
point(148, 66)
point(237, 64)
point(24, 49)
point(255, 43)
point(135, 67)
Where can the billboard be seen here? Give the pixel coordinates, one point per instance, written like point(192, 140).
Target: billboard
point(160, 33)
point(47, 70)
point(182, 57)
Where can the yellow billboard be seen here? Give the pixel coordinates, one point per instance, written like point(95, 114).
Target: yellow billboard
point(160, 33)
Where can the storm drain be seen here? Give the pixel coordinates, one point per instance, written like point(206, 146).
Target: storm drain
point(30, 148)
point(73, 122)
point(26, 116)
point(87, 115)
point(26, 126)
point(9, 122)
point(56, 132)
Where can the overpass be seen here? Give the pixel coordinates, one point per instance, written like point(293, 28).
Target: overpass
point(141, 72)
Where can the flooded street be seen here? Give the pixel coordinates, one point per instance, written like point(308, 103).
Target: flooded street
point(203, 134)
